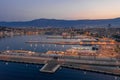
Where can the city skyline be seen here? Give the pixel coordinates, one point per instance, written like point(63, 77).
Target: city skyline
point(24, 10)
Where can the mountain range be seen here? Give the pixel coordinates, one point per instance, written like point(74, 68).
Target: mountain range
point(64, 23)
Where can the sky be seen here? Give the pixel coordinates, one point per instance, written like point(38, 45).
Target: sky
point(24, 10)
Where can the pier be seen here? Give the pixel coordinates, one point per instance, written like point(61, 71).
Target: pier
point(52, 64)
point(75, 43)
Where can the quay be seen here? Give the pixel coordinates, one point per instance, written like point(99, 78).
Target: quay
point(51, 64)
point(91, 68)
point(75, 43)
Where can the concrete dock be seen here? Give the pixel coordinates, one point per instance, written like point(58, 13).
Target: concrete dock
point(94, 68)
point(75, 43)
point(50, 65)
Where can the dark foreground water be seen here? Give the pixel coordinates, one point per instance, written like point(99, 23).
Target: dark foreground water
point(19, 71)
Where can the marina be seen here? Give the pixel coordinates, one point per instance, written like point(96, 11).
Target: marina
point(36, 55)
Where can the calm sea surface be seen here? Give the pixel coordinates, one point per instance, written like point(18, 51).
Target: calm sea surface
point(19, 71)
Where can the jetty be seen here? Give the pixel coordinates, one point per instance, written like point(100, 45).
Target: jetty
point(75, 43)
point(52, 64)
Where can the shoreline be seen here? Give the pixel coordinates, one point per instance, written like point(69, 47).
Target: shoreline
point(79, 66)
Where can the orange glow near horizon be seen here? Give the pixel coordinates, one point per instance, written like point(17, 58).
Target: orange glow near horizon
point(96, 15)
point(17, 10)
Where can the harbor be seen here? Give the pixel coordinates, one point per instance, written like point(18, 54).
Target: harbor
point(60, 40)
point(54, 59)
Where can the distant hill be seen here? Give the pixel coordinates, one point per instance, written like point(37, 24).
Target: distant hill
point(64, 23)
